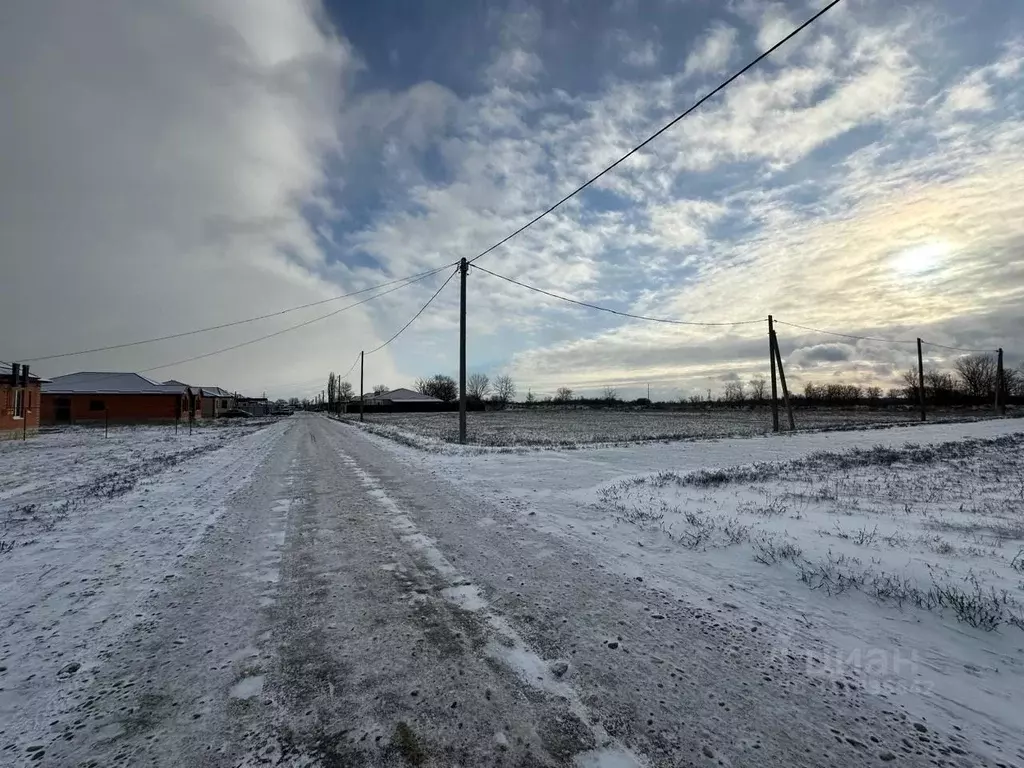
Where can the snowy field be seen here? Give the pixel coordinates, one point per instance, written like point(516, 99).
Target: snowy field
point(91, 528)
point(569, 428)
point(61, 473)
point(868, 562)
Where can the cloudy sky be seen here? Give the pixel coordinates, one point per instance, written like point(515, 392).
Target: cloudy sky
point(169, 166)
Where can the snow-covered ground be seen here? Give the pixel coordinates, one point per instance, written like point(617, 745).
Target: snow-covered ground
point(92, 527)
point(890, 568)
point(304, 593)
point(517, 429)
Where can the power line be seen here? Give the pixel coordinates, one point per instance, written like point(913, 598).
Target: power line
point(722, 86)
point(846, 335)
point(299, 325)
point(614, 311)
point(378, 349)
point(884, 341)
point(423, 276)
point(956, 349)
point(410, 279)
point(351, 368)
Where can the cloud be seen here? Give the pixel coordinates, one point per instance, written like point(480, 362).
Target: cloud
point(810, 357)
point(513, 66)
point(714, 52)
point(158, 177)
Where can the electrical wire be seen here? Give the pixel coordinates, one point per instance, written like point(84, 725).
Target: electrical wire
point(884, 341)
point(418, 278)
point(294, 327)
point(183, 334)
point(753, 63)
point(351, 368)
point(722, 86)
point(400, 330)
point(845, 335)
point(613, 311)
point(956, 349)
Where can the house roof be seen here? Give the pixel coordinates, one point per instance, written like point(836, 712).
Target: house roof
point(109, 382)
point(405, 396)
point(216, 392)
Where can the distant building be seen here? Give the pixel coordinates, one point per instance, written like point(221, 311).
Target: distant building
point(19, 406)
point(216, 401)
point(257, 406)
point(400, 397)
point(127, 398)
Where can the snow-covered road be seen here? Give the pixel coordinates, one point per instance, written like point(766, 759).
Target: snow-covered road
point(312, 595)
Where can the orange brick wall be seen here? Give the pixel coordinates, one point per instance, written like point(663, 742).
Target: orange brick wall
point(10, 426)
point(122, 409)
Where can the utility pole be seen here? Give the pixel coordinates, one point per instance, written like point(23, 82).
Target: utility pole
point(648, 393)
point(1000, 385)
point(920, 379)
point(775, 386)
point(782, 381)
point(362, 402)
point(463, 271)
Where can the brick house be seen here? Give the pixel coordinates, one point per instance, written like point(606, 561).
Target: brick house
point(122, 398)
point(19, 406)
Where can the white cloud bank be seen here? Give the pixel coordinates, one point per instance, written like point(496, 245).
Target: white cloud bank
point(156, 160)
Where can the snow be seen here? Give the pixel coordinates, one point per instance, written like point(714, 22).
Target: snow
point(516, 429)
point(264, 587)
point(108, 522)
point(953, 521)
point(507, 646)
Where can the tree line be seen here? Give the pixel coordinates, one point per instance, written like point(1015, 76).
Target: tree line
point(973, 378)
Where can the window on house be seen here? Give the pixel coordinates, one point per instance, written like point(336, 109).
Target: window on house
point(223, 403)
point(97, 405)
point(19, 403)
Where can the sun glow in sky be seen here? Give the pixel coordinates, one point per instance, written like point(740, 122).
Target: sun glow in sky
point(921, 259)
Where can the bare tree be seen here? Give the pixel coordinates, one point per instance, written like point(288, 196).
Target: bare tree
point(1013, 381)
point(380, 389)
point(939, 386)
point(758, 387)
point(611, 393)
point(332, 383)
point(563, 395)
point(440, 386)
point(504, 388)
point(734, 392)
point(422, 386)
point(530, 397)
point(911, 384)
point(977, 373)
point(873, 393)
point(477, 386)
point(345, 391)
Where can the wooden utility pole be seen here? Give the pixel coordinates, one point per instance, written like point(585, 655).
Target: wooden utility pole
point(920, 380)
point(1000, 385)
point(775, 390)
point(362, 400)
point(463, 271)
point(782, 381)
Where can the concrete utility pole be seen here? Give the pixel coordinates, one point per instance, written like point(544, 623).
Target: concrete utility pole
point(920, 379)
point(775, 386)
point(362, 401)
point(463, 271)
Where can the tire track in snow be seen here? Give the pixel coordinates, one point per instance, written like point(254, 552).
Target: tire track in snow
point(508, 647)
